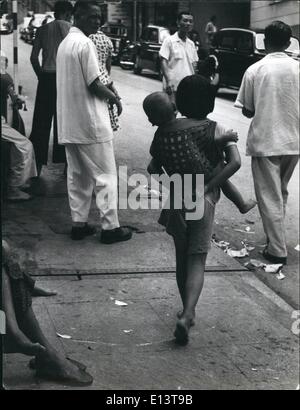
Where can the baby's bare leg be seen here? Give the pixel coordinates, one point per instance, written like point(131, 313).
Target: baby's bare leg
point(233, 194)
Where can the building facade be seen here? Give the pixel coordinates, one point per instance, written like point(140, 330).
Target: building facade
point(264, 12)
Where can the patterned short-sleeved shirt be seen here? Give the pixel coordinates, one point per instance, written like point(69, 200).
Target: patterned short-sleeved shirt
point(187, 147)
point(104, 48)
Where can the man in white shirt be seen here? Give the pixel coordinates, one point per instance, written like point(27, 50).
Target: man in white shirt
point(84, 128)
point(270, 95)
point(178, 55)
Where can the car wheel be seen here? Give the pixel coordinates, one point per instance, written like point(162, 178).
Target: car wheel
point(137, 66)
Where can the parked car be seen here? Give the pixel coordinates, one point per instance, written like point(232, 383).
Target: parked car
point(147, 50)
point(35, 22)
point(24, 28)
point(236, 49)
point(119, 35)
point(6, 24)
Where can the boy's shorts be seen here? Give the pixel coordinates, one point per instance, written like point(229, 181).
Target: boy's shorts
point(194, 236)
point(199, 232)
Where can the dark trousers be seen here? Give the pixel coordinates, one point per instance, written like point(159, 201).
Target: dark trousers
point(44, 113)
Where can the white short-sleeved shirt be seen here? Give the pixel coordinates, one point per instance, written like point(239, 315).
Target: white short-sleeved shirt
point(82, 117)
point(270, 88)
point(181, 55)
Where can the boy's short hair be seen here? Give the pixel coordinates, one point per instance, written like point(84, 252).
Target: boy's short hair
point(195, 97)
point(278, 34)
point(62, 7)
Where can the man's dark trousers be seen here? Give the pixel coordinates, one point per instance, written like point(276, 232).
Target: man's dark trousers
point(44, 113)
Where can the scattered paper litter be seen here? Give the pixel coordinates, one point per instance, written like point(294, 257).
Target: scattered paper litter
point(119, 303)
point(297, 248)
point(220, 244)
point(280, 276)
point(128, 331)
point(273, 268)
point(247, 229)
point(63, 336)
point(241, 230)
point(257, 263)
point(242, 253)
point(253, 369)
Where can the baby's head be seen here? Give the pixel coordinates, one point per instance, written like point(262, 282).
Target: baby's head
point(158, 108)
point(195, 97)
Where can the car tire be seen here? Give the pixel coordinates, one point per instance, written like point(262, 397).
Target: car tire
point(137, 66)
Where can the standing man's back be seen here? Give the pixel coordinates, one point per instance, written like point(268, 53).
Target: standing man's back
point(47, 41)
point(270, 95)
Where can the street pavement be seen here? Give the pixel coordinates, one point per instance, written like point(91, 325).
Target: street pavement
point(243, 336)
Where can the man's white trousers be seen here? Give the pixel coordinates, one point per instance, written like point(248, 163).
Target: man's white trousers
point(92, 167)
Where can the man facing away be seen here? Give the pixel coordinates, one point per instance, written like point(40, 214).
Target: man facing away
point(84, 128)
point(270, 95)
point(48, 38)
point(178, 55)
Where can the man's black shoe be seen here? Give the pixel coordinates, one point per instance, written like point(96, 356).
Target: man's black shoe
point(274, 259)
point(80, 232)
point(116, 235)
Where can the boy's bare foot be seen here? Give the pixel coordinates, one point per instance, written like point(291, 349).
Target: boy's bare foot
point(60, 369)
point(182, 331)
point(192, 321)
point(248, 205)
point(40, 292)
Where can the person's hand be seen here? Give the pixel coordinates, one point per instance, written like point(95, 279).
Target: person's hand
point(119, 107)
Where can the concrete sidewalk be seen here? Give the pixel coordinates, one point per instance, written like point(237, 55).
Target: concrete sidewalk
point(242, 338)
point(243, 335)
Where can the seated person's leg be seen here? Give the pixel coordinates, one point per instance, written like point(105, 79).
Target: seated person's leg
point(22, 162)
point(15, 341)
point(25, 334)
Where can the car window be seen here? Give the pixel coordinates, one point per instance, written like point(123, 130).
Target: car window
point(226, 40)
point(244, 42)
point(293, 48)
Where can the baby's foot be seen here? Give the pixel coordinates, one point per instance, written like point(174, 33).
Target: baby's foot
point(248, 205)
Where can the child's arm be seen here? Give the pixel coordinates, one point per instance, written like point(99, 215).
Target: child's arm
point(233, 164)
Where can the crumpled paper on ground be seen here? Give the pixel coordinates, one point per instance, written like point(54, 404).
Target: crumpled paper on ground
point(242, 253)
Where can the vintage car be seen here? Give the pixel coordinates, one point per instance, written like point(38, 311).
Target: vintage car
point(119, 35)
point(236, 49)
point(147, 49)
point(34, 23)
point(6, 24)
